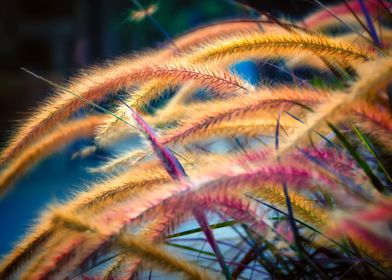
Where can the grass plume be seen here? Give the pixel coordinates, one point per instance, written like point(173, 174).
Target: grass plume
point(258, 45)
point(218, 152)
point(56, 140)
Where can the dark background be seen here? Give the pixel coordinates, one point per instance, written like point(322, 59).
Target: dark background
point(56, 38)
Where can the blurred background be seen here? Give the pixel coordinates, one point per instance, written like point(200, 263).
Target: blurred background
point(56, 38)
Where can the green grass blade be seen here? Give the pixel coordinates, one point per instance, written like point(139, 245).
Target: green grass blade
point(361, 162)
point(372, 150)
point(196, 230)
point(189, 249)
